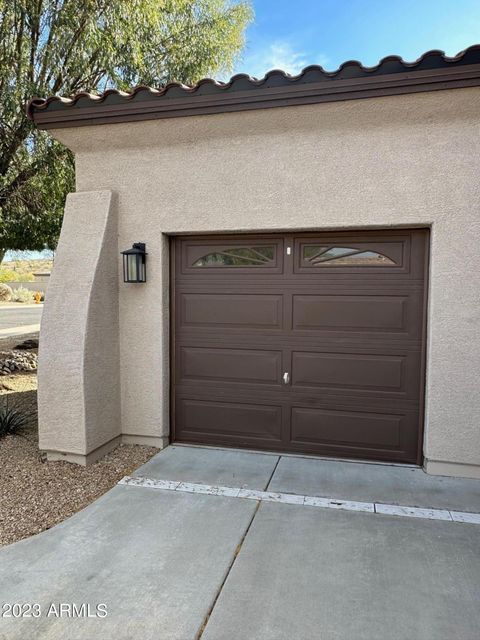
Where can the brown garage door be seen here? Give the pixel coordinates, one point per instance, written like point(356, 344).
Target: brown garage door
point(301, 343)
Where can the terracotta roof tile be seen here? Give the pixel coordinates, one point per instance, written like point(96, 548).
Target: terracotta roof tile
point(392, 75)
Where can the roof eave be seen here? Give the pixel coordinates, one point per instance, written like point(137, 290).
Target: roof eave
point(146, 104)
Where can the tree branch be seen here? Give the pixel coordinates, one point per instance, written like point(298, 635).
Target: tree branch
point(58, 13)
point(78, 32)
point(21, 179)
point(34, 41)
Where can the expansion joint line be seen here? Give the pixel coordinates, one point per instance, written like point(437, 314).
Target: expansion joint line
point(227, 573)
point(446, 515)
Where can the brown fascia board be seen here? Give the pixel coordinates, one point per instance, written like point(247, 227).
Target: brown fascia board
point(432, 72)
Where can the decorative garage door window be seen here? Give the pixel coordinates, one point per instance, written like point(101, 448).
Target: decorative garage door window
point(238, 257)
point(327, 256)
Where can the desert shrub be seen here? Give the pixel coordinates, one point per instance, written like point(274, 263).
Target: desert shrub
point(5, 292)
point(11, 421)
point(8, 275)
point(22, 295)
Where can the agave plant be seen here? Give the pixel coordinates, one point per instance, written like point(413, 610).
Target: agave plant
point(11, 421)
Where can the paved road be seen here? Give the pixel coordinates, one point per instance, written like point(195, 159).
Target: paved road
point(182, 565)
point(15, 320)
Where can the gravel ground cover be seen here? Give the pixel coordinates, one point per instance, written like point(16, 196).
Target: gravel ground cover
point(17, 360)
point(35, 494)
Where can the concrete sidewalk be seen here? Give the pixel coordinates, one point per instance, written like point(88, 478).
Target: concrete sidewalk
point(175, 564)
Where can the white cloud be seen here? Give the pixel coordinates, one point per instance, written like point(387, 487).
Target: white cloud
point(278, 55)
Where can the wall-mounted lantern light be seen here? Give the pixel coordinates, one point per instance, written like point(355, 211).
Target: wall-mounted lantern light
point(134, 259)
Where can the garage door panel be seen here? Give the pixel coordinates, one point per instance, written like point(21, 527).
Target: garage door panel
point(234, 310)
point(373, 374)
point(346, 428)
point(349, 370)
point(229, 420)
point(231, 365)
point(350, 312)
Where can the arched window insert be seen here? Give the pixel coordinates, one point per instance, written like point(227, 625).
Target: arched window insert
point(326, 256)
point(238, 257)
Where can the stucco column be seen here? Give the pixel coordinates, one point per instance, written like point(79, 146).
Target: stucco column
point(79, 386)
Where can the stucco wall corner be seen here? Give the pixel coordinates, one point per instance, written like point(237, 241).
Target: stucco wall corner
point(78, 394)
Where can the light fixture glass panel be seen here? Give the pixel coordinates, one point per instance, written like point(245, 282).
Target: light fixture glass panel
point(132, 267)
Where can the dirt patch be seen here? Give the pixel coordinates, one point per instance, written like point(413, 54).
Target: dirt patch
point(19, 382)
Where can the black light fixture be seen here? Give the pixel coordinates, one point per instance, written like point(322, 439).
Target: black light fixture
point(134, 259)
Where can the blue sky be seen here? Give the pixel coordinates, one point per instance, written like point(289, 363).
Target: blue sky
point(291, 34)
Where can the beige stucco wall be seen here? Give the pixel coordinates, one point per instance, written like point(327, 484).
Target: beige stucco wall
point(79, 364)
point(395, 161)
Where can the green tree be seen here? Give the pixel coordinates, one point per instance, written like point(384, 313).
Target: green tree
point(65, 46)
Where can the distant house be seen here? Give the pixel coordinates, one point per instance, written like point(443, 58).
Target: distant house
point(41, 276)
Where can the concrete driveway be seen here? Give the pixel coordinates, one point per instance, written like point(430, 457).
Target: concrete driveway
point(228, 545)
point(18, 319)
